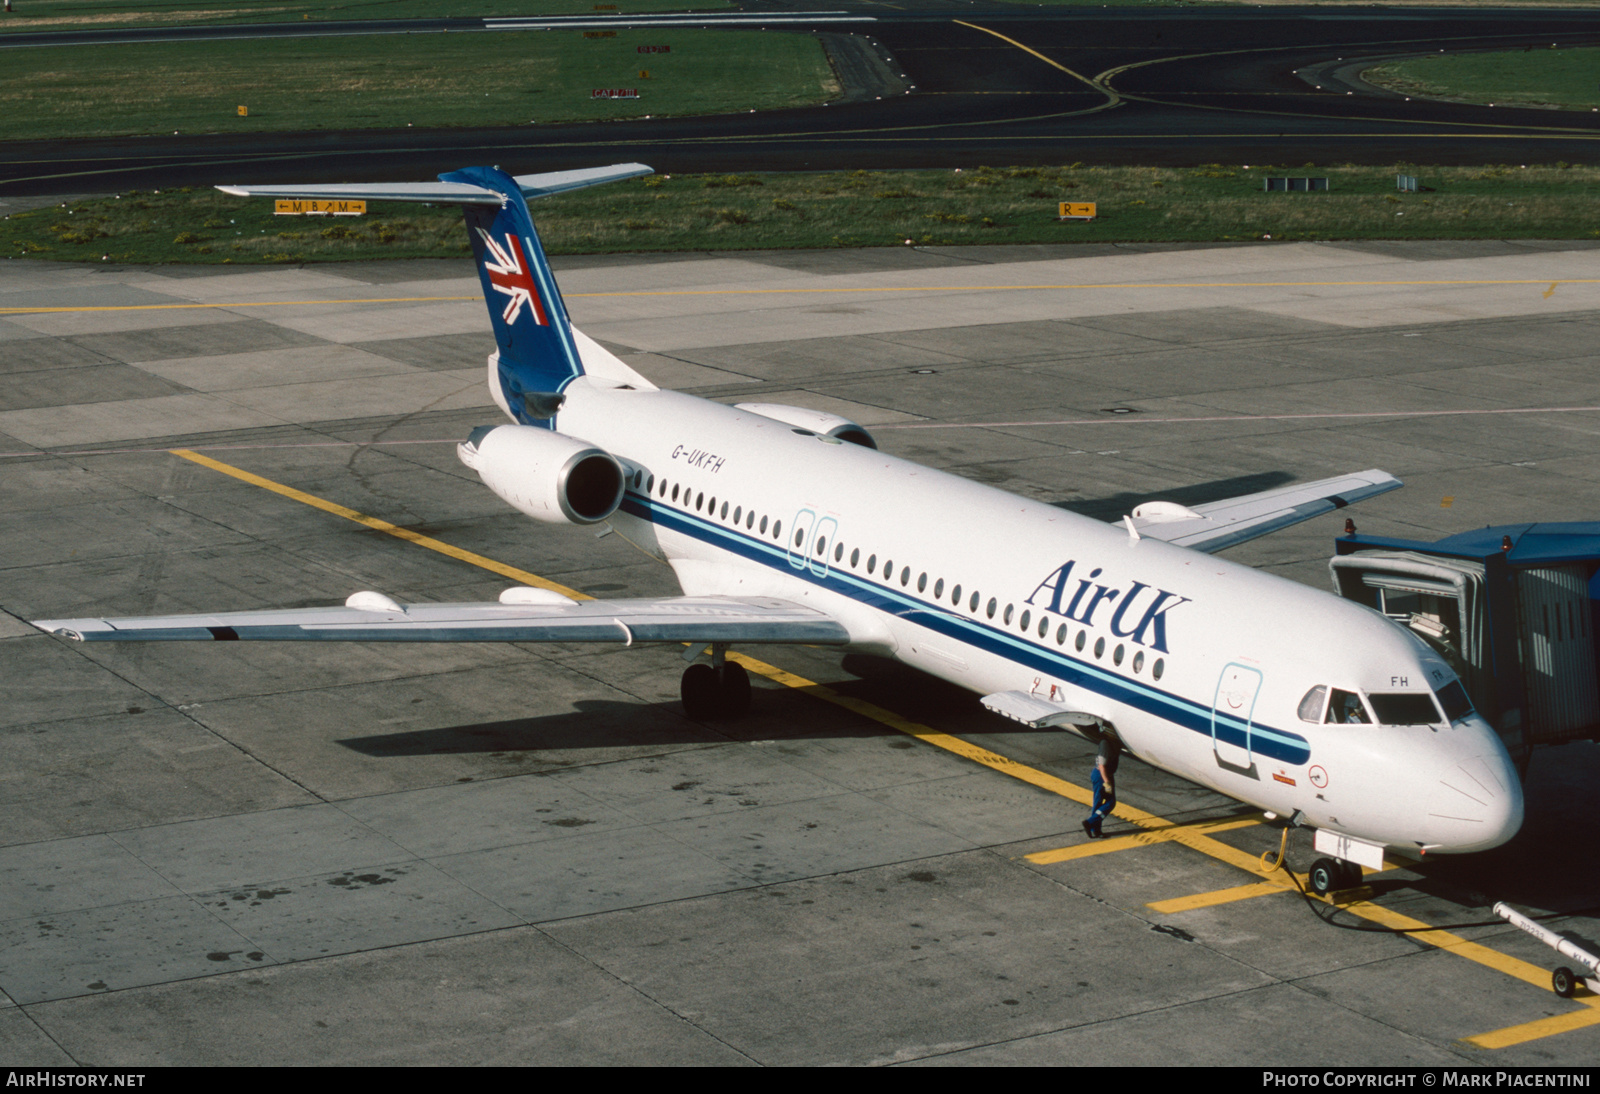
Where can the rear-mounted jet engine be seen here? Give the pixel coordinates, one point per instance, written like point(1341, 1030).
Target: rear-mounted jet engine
point(548, 476)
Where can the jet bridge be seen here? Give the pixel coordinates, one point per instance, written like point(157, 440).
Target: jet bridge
point(1512, 608)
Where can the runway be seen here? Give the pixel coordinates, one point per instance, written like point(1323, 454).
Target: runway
point(994, 86)
point(266, 854)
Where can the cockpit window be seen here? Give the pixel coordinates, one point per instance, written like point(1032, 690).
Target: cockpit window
point(1407, 709)
point(1453, 698)
point(1346, 706)
point(1311, 705)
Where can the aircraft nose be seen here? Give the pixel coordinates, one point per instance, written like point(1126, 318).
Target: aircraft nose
point(1475, 805)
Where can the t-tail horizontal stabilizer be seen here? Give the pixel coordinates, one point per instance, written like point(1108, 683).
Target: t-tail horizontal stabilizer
point(538, 355)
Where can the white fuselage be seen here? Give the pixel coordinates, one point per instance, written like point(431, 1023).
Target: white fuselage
point(1200, 664)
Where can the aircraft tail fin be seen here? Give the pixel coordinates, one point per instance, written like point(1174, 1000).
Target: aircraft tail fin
point(538, 355)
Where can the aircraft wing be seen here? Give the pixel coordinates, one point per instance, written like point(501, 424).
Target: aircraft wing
point(522, 615)
point(446, 193)
point(1219, 524)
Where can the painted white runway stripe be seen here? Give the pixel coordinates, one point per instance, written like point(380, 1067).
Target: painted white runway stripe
point(1122, 420)
point(1125, 419)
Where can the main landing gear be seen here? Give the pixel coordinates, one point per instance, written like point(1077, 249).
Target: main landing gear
point(1329, 875)
point(720, 689)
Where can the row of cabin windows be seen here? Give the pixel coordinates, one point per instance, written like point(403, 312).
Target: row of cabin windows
point(1024, 624)
point(648, 484)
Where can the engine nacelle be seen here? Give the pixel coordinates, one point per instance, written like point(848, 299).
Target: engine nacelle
point(829, 425)
point(547, 475)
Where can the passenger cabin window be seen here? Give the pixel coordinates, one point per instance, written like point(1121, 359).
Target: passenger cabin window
point(1311, 705)
point(1405, 709)
point(1346, 706)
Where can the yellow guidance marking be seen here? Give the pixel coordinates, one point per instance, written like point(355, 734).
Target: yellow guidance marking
point(1189, 835)
point(1219, 896)
point(1112, 98)
point(238, 304)
point(379, 525)
point(1138, 839)
point(1542, 1027)
point(1084, 287)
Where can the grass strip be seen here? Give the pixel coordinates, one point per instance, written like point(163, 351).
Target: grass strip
point(421, 80)
point(1562, 79)
point(49, 15)
point(849, 209)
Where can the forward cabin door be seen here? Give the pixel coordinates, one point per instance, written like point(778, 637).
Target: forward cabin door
point(1232, 718)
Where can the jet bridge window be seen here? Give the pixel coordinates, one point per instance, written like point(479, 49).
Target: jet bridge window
point(1346, 706)
point(1405, 709)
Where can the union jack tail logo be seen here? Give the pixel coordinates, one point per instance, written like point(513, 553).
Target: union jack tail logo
point(509, 273)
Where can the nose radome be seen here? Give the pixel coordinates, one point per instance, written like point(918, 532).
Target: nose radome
point(1476, 805)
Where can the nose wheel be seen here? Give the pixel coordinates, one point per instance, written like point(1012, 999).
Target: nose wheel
point(1329, 875)
point(715, 691)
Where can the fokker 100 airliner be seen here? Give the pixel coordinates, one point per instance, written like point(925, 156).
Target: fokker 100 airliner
point(788, 525)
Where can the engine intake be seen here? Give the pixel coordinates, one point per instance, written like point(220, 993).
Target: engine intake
point(546, 475)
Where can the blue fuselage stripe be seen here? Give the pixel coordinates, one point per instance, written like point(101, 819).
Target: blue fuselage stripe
point(1261, 740)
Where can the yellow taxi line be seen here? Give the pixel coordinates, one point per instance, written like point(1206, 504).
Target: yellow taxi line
point(380, 525)
point(1188, 835)
point(1541, 1027)
point(1219, 896)
point(1147, 838)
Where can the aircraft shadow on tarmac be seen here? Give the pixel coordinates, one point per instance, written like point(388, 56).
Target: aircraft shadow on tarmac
point(1114, 507)
point(777, 714)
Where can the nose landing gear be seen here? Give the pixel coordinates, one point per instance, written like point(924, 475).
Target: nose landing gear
point(1329, 875)
point(720, 689)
